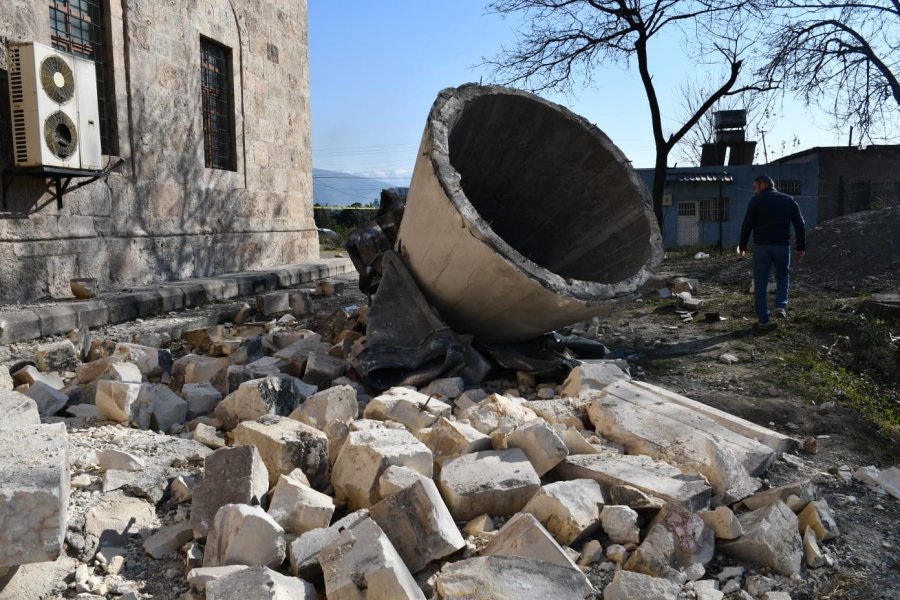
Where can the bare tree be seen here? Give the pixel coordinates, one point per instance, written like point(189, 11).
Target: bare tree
point(841, 56)
point(566, 40)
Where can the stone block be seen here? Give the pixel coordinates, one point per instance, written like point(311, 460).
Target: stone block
point(620, 524)
point(273, 303)
point(889, 481)
point(298, 353)
point(568, 509)
point(447, 388)
point(30, 375)
point(199, 577)
point(770, 539)
point(208, 436)
point(6, 380)
point(560, 411)
point(231, 476)
point(117, 400)
point(322, 369)
point(168, 539)
point(244, 535)
point(300, 302)
point(111, 459)
point(34, 493)
point(402, 405)
point(812, 554)
point(708, 589)
point(274, 395)
point(796, 494)
point(17, 410)
point(304, 550)
point(58, 356)
point(723, 522)
point(201, 398)
point(57, 319)
point(493, 482)
point(631, 586)
point(817, 515)
point(524, 536)
point(509, 578)
point(592, 375)
point(336, 403)
point(540, 443)
point(259, 583)
point(49, 400)
point(159, 408)
point(418, 524)
point(498, 412)
point(19, 325)
point(365, 554)
point(152, 362)
point(649, 476)
point(298, 508)
point(193, 368)
point(181, 489)
point(364, 457)
point(693, 541)
point(109, 368)
point(284, 445)
point(396, 478)
point(449, 439)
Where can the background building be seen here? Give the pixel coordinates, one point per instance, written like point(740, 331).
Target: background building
point(204, 106)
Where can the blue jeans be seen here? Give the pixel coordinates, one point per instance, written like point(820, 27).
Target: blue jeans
point(763, 259)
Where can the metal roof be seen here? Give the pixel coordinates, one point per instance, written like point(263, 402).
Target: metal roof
point(698, 178)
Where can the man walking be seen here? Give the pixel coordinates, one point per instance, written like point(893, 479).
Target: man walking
point(769, 216)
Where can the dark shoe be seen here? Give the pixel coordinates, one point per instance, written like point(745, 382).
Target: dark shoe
point(769, 326)
point(781, 313)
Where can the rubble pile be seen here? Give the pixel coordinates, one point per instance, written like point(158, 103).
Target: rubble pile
point(247, 460)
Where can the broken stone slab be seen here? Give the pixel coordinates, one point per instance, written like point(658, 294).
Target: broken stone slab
point(817, 516)
point(34, 493)
point(298, 353)
point(112, 459)
point(770, 539)
point(652, 477)
point(796, 495)
point(540, 443)
point(628, 415)
point(362, 563)
point(620, 524)
point(493, 482)
point(322, 369)
point(575, 440)
point(115, 518)
point(498, 412)
point(774, 440)
point(284, 445)
point(159, 408)
point(181, 489)
point(568, 509)
point(723, 522)
point(889, 481)
point(708, 589)
point(273, 395)
point(447, 388)
point(231, 476)
point(524, 536)
point(417, 522)
point(168, 539)
point(304, 550)
point(338, 403)
point(395, 479)
point(449, 439)
point(406, 406)
point(298, 508)
point(244, 535)
point(592, 375)
point(199, 577)
point(509, 578)
point(193, 368)
point(6, 380)
point(208, 436)
point(364, 457)
point(152, 362)
point(259, 583)
point(17, 410)
point(693, 541)
point(110, 368)
point(560, 411)
point(201, 398)
point(58, 356)
point(273, 303)
point(30, 375)
point(627, 585)
point(48, 399)
point(812, 554)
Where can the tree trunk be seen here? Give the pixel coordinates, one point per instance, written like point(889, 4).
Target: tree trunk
point(659, 186)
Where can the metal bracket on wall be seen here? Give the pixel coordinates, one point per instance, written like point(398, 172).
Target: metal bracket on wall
point(61, 178)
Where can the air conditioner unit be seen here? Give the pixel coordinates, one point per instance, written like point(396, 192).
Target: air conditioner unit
point(53, 101)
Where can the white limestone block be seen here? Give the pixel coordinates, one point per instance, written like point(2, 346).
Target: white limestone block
point(298, 508)
point(568, 509)
point(244, 535)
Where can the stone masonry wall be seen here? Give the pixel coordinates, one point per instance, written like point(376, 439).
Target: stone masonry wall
point(162, 215)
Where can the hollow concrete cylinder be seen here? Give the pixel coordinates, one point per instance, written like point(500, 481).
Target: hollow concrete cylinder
point(522, 217)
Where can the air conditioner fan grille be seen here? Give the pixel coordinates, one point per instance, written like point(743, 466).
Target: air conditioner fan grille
point(57, 79)
point(60, 135)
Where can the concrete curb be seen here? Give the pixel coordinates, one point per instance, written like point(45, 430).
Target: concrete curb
point(137, 303)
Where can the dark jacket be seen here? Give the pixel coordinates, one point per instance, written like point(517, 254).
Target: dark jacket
point(769, 217)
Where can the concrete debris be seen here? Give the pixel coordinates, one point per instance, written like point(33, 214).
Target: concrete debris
point(541, 444)
point(48, 399)
point(418, 524)
point(770, 539)
point(817, 516)
point(17, 410)
point(298, 508)
point(412, 409)
point(244, 535)
point(259, 583)
point(364, 457)
point(363, 563)
point(284, 445)
point(626, 585)
point(568, 509)
point(592, 375)
point(34, 493)
point(508, 578)
point(232, 476)
point(493, 482)
point(168, 539)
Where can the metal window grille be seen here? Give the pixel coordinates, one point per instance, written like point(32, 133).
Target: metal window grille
point(687, 209)
point(216, 89)
point(709, 209)
point(793, 187)
point(76, 27)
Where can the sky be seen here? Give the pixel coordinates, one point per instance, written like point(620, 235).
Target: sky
point(377, 67)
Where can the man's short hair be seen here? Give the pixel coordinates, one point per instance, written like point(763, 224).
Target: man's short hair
point(766, 180)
